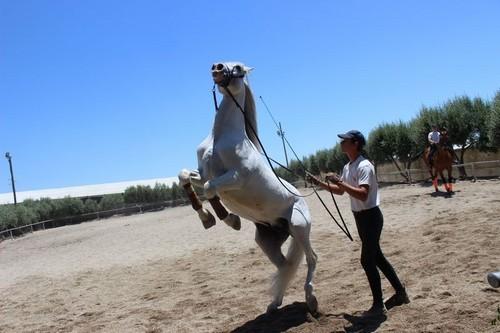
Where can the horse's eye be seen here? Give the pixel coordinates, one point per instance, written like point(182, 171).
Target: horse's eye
point(220, 67)
point(237, 68)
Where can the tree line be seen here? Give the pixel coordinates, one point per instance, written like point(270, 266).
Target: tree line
point(31, 211)
point(470, 122)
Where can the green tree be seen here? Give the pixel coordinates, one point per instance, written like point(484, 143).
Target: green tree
point(336, 159)
point(395, 142)
point(90, 206)
point(322, 159)
point(130, 195)
point(111, 201)
point(466, 121)
point(8, 217)
point(494, 121)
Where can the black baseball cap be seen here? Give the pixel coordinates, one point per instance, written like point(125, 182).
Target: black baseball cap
point(354, 135)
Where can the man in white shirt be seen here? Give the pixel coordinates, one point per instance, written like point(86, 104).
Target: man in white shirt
point(359, 181)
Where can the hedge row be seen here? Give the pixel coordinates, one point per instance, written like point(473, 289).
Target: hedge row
point(32, 211)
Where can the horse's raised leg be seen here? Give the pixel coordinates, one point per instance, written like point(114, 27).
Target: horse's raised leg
point(230, 219)
point(300, 228)
point(228, 180)
point(206, 217)
point(270, 240)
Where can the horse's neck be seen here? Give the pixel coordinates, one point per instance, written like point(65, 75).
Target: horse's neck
point(229, 117)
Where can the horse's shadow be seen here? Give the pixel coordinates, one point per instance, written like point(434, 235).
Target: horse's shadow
point(289, 316)
point(442, 194)
point(363, 325)
point(296, 314)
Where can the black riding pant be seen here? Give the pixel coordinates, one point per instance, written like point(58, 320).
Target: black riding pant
point(432, 151)
point(369, 223)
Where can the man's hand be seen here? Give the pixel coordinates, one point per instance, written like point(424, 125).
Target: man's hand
point(333, 178)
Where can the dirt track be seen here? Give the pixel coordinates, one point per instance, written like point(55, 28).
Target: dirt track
point(162, 272)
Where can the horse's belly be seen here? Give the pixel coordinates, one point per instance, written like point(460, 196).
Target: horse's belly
point(258, 207)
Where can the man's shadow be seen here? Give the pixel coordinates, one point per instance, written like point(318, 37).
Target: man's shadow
point(363, 325)
point(292, 315)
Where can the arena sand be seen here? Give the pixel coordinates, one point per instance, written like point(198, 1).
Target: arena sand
point(162, 272)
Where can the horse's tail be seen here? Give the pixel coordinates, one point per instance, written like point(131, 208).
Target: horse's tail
point(251, 118)
point(286, 272)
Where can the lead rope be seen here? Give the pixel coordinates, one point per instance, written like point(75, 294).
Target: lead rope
point(344, 228)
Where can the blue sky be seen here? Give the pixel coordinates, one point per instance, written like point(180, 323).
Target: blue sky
point(105, 91)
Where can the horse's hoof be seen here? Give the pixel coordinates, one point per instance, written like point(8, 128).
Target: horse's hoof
point(233, 221)
point(206, 218)
point(273, 307)
point(209, 223)
point(312, 304)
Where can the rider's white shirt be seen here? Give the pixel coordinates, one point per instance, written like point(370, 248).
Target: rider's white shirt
point(361, 172)
point(434, 137)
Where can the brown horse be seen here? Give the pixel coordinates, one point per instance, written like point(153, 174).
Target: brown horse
point(442, 160)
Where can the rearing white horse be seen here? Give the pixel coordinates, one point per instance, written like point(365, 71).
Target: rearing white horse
point(232, 169)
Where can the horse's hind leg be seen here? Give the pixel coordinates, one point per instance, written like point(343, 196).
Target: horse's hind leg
point(185, 177)
point(445, 183)
point(270, 240)
point(300, 228)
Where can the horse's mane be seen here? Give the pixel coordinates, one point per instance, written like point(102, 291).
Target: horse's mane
point(251, 116)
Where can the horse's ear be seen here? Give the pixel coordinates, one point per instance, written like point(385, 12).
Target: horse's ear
point(247, 69)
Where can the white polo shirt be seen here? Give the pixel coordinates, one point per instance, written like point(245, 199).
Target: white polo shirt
point(434, 136)
point(361, 172)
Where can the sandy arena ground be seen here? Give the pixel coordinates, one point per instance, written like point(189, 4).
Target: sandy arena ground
point(162, 272)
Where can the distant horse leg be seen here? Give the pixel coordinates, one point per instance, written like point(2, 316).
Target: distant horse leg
point(435, 180)
point(185, 177)
point(270, 240)
point(300, 228)
point(445, 183)
point(450, 182)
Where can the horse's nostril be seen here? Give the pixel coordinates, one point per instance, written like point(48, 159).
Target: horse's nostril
point(213, 66)
point(219, 67)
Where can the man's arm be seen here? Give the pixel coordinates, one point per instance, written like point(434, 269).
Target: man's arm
point(358, 192)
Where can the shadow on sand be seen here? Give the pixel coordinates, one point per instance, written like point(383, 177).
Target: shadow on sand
point(442, 194)
point(363, 325)
point(292, 315)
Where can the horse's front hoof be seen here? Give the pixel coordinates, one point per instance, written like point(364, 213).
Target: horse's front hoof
point(233, 221)
point(207, 219)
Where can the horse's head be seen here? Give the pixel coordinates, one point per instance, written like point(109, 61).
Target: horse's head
point(229, 75)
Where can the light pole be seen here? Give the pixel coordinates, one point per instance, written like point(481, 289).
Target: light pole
point(9, 158)
point(281, 134)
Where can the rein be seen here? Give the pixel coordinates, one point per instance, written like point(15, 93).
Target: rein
point(344, 227)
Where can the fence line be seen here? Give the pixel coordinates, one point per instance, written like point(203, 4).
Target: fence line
point(473, 169)
point(173, 203)
point(96, 215)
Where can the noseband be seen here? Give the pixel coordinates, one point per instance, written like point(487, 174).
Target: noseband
point(228, 73)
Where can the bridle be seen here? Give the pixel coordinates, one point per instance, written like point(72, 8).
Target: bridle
point(228, 75)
